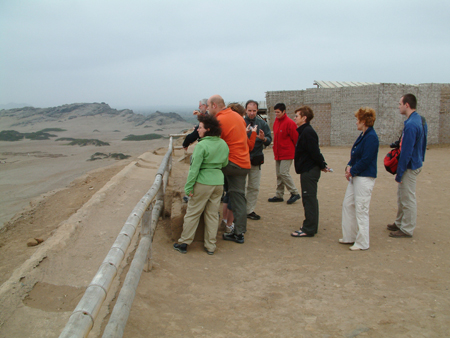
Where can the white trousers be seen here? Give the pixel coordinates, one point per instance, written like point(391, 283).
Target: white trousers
point(355, 211)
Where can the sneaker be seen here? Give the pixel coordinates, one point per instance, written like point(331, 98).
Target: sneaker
point(180, 247)
point(293, 198)
point(355, 248)
point(276, 199)
point(229, 229)
point(233, 237)
point(253, 216)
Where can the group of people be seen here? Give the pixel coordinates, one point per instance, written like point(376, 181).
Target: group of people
point(230, 153)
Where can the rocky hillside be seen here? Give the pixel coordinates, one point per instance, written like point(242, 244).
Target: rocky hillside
point(30, 115)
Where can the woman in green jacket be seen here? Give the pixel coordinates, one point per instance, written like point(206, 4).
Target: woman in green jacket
point(204, 184)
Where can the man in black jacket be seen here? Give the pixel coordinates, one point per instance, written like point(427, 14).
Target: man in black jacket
point(309, 162)
point(192, 137)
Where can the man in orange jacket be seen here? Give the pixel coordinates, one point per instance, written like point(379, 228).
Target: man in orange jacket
point(234, 133)
point(285, 137)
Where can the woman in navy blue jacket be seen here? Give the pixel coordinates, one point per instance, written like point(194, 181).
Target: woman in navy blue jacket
point(361, 172)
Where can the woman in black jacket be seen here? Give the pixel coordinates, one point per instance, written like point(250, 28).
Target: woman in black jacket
point(309, 162)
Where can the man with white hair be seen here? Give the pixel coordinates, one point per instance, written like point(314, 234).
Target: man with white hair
point(192, 137)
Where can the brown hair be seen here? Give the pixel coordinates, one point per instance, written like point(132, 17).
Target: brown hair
point(237, 108)
point(306, 111)
point(211, 123)
point(410, 99)
point(366, 115)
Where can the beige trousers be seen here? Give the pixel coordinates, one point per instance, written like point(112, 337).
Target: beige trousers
point(206, 199)
point(284, 178)
point(252, 191)
point(406, 201)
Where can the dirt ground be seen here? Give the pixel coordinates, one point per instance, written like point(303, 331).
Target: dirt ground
point(273, 285)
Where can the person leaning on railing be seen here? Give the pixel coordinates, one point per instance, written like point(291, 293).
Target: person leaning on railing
point(192, 137)
point(204, 184)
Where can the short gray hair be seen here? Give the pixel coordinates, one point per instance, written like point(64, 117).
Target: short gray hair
point(204, 101)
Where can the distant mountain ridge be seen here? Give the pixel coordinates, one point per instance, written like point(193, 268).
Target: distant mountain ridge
point(31, 115)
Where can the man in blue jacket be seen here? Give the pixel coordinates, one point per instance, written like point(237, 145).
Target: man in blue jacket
point(412, 154)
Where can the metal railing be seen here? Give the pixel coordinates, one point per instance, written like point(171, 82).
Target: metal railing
point(83, 317)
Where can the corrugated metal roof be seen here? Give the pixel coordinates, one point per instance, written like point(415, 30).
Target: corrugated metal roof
point(339, 84)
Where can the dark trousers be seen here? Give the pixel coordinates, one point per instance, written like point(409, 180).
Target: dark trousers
point(308, 182)
point(235, 177)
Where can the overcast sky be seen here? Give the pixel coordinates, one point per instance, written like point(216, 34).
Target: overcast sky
point(153, 53)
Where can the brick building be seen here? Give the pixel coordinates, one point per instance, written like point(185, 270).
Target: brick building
point(334, 109)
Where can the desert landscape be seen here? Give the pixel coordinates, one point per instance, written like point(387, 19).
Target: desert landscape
point(273, 285)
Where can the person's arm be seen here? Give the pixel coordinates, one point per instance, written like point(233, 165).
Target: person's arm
point(225, 162)
point(292, 130)
point(191, 138)
point(267, 134)
point(251, 141)
point(425, 138)
point(196, 162)
point(408, 140)
point(252, 138)
point(369, 152)
point(313, 149)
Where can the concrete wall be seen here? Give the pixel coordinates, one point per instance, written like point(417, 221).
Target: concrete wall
point(334, 110)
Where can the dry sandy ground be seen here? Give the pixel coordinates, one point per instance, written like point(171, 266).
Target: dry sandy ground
point(31, 168)
point(275, 285)
point(271, 286)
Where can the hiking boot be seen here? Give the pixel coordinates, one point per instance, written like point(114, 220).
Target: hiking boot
point(180, 247)
point(392, 227)
point(209, 252)
point(399, 234)
point(233, 237)
point(293, 198)
point(253, 216)
point(276, 199)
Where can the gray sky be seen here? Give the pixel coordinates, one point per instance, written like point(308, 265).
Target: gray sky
point(148, 53)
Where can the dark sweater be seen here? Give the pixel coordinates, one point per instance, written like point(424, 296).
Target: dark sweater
point(191, 138)
point(307, 151)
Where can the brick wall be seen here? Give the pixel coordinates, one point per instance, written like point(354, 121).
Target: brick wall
point(334, 110)
point(444, 115)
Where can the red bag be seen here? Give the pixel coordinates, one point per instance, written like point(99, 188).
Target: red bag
point(391, 161)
